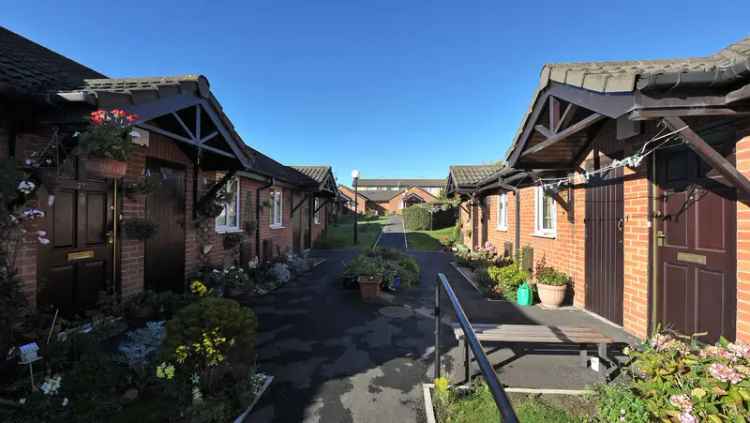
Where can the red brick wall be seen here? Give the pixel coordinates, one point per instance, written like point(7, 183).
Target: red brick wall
point(743, 237)
point(361, 200)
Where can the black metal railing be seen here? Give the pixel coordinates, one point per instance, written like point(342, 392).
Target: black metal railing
point(471, 341)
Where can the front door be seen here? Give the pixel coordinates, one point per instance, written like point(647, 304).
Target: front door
point(696, 244)
point(164, 267)
point(77, 263)
point(604, 245)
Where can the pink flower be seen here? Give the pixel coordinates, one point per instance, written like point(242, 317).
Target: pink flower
point(682, 402)
point(686, 417)
point(740, 350)
point(725, 373)
point(717, 352)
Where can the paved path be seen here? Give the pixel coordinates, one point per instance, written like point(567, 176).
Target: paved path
point(338, 359)
point(393, 234)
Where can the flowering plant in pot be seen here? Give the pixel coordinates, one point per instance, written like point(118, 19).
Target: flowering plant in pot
point(107, 142)
point(369, 272)
point(551, 285)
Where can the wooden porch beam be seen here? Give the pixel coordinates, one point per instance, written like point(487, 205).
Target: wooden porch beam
point(182, 124)
point(209, 137)
point(302, 201)
point(544, 131)
point(554, 113)
point(323, 203)
point(211, 193)
point(710, 155)
point(565, 133)
point(567, 115)
point(169, 134)
point(198, 121)
point(682, 112)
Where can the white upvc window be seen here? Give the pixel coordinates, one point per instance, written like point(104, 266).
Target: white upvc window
point(316, 214)
point(277, 206)
point(229, 219)
point(502, 212)
point(545, 222)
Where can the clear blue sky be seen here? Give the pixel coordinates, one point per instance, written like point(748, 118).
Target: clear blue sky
point(396, 88)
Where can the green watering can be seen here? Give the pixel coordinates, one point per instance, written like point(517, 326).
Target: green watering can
point(524, 297)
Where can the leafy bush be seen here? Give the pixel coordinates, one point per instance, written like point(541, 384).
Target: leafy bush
point(387, 262)
point(617, 402)
point(206, 315)
point(423, 217)
point(508, 279)
point(675, 380)
point(457, 236)
point(548, 275)
point(365, 265)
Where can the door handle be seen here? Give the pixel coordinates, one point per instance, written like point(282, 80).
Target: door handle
point(620, 224)
point(660, 238)
point(110, 237)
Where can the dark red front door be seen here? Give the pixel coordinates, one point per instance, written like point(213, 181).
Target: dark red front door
point(696, 244)
point(77, 263)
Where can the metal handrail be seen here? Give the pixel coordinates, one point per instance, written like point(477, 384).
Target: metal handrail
point(470, 338)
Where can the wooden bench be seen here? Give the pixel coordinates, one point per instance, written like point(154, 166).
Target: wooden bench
point(533, 334)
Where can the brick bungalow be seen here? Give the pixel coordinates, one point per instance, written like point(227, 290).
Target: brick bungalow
point(187, 144)
point(383, 202)
point(632, 178)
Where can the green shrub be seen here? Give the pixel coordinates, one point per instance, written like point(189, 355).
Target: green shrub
point(676, 380)
point(416, 218)
point(387, 262)
point(233, 320)
point(429, 216)
point(508, 278)
point(365, 265)
point(551, 276)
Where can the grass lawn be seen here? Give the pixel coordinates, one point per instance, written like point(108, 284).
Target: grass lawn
point(429, 240)
point(480, 407)
point(341, 233)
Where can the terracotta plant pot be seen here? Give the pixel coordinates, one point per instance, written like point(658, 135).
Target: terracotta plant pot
point(105, 168)
point(369, 286)
point(551, 296)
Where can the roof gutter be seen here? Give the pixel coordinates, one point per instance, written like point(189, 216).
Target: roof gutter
point(720, 77)
point(269, 184)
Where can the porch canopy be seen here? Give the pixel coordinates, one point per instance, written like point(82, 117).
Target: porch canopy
point(323, 176)
point(463, 179)
point(182, 108)
point(574, 100)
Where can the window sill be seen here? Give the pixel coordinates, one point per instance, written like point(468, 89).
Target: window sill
point(545, 235)
point(228, 230)
point(502, 229)
point(277, 227)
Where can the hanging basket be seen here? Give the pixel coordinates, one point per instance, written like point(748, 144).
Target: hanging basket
point(105, 168)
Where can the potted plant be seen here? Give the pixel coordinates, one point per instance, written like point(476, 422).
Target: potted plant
point(107, 143)
point(369, 271)
point(551, 286)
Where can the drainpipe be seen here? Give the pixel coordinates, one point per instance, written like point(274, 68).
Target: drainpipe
point(269, 184)
point(517, 195)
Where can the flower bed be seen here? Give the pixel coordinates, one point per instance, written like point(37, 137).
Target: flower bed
point(447, 404)
point(677, 379)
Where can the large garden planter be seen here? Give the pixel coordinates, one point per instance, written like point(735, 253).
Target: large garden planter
point(551, 296)
point(105, 168)
point(369, 286)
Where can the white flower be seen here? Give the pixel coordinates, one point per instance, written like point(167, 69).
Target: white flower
point(65, 402)
point(26, 187)
point(42, 240)
point(22, 401)
point(51, 385)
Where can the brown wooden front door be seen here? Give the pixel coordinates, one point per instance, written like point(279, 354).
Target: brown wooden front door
point(77, 263)
point(696, 244)
point(604, 245)
point(165, 252)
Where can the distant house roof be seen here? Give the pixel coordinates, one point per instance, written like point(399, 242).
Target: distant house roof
point(401, 183)
point(28, 68)
point(380, 196)
point(466, 177)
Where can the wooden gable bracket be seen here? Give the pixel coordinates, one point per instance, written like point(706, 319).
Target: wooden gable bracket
point(301, 202)
point(323, 203)
point(710, 155)
point(554, 138)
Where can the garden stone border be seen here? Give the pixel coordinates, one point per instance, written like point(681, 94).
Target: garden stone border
point(241, 417)
point(429, 409)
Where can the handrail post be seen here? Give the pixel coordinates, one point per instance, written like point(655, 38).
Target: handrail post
point(437, 328)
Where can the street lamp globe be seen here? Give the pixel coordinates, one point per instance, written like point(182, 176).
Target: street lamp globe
point(355, 174)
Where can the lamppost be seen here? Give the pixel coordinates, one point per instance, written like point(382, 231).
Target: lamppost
point(355, 177)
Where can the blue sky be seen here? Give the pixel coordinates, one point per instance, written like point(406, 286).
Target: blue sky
point(393, 88)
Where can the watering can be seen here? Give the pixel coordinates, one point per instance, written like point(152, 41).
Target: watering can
point(523, 296)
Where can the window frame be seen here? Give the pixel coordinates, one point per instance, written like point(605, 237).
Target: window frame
point(539, 229)
point(225, 228)
point(502, 212)
point(277, 194)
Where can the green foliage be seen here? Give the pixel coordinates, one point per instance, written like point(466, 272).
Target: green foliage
point(235, 322)
point(617, 402)
point(139, 228)
point(108, 136)
point(429, 216)
point(457, 236)
point(675, 379)
point(387, 262)
point(547, 275)
point(364, 265)
point(508, 278)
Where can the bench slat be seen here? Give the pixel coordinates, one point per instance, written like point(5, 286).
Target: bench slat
point(535, 333)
